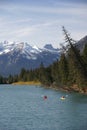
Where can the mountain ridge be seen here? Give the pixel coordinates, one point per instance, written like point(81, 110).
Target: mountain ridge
point(14, 56)
point(17, 55)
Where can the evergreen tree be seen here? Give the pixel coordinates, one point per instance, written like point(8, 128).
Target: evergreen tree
point(77, 70)
point(22, 75)
point(41, 73)
point(63, 67)
point(1, 79)
point(75, 51)
point(10, 79)
point(55, 73)
point(47, 74)
point(84, 55)
point(15, 78)
point(30, 75)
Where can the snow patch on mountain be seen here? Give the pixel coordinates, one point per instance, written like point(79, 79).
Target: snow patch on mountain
point(24, 49)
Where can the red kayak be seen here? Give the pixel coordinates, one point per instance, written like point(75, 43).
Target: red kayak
point(45, 97)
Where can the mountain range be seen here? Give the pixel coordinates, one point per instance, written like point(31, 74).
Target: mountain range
point(17, 55)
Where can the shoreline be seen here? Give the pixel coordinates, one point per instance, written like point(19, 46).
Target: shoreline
point(73, 88)
point(27, 83)
point(70, 89)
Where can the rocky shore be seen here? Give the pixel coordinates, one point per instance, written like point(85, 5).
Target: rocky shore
point(73, 88)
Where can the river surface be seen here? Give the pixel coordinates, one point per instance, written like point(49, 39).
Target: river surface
point(24, 108)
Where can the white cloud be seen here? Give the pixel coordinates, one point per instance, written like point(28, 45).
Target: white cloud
point(42, 23)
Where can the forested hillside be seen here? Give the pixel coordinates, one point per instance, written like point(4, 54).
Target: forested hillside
point(69, 72)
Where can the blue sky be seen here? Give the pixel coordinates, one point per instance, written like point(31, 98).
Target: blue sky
point(39, 22)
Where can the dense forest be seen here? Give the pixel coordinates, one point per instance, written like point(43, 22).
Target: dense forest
point(70, 71)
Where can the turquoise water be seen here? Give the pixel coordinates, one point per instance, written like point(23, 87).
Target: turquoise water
point(23, 108)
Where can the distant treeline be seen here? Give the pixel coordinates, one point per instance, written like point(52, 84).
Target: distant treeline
point(70, 69)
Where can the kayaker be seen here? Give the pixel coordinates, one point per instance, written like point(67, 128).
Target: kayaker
point(45, 97)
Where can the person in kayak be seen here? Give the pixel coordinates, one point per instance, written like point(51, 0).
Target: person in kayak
point(45, 97)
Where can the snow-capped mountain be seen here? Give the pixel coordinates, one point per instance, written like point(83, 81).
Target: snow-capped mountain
point(22, 48)
point(17, 55)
